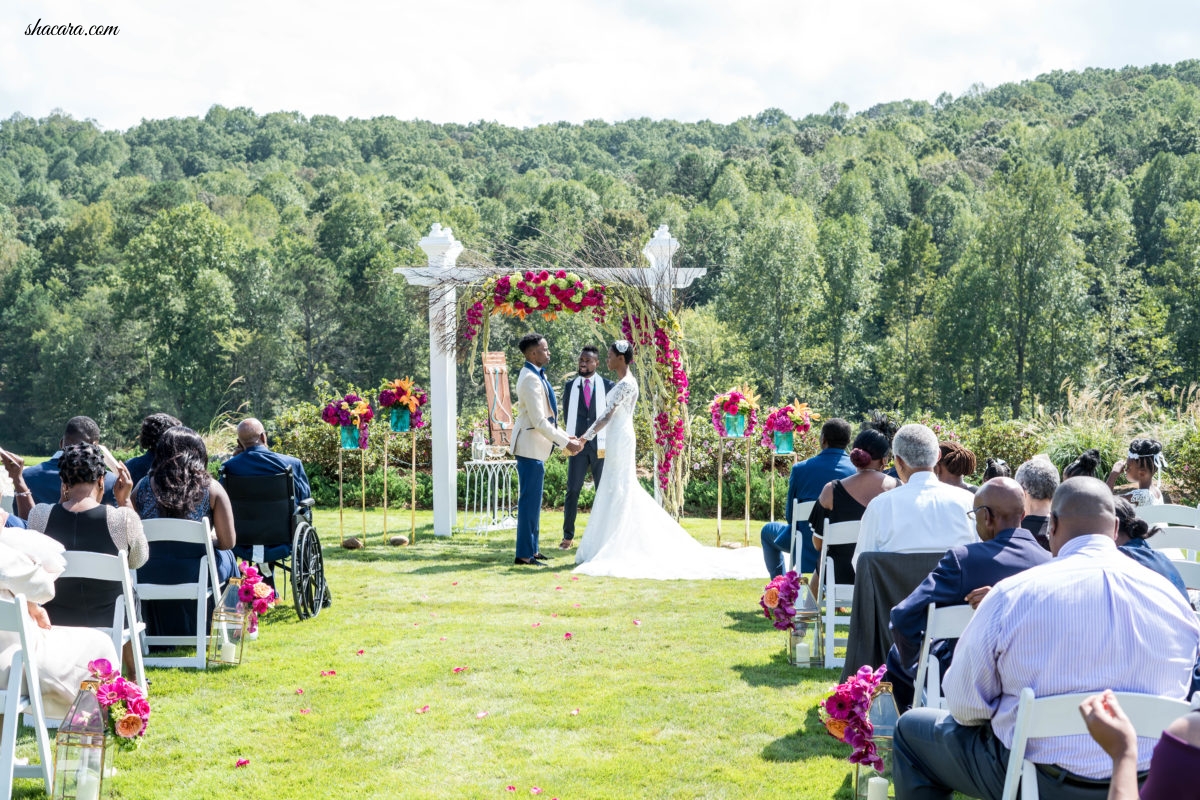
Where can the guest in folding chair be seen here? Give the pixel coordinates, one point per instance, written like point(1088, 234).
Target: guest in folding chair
point(1176, 759)
point(29, 563)
point(152, 428)
point(180, 487)
point(1056, 628)
point(1004, 549)
point(81, 521)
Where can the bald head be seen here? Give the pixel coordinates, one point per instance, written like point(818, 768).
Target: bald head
point(1005, 503)
point(250, 432)
point(1081, 506)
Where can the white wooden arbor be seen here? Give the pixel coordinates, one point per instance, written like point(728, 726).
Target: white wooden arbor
point(442, 276)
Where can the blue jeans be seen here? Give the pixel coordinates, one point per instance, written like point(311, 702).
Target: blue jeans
point(531, 473)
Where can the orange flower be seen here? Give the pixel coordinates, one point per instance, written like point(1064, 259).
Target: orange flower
point(550, 316)
point(263, 591)
point(130, 726)
point(771, 597)
point(836, 728)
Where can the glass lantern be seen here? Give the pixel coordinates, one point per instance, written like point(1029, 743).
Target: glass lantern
point(804, 643)
point(83, 750)
point(229, 622)
point(883, 715)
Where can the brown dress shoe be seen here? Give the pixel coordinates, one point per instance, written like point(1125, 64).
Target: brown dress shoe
point(566, 544)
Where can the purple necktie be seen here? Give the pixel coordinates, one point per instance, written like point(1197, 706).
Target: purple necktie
point(587, 393)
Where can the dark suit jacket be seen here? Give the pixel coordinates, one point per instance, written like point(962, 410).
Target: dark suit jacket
point(259, 460)
point(586, 416)
point(807, 480)
point(962, 570)
point(43, 480)
point(139, 466)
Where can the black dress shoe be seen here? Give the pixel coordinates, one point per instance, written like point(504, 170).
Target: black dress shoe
point(525, 562)
point(540, 557)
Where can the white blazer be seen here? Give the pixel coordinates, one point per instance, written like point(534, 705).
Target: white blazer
point(534, 435)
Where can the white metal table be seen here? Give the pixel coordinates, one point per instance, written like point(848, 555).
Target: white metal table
point(491, 501)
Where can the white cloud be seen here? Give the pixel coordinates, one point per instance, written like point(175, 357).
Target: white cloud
point(525, 62)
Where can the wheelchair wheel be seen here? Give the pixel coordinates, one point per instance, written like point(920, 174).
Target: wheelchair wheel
point(309, 591)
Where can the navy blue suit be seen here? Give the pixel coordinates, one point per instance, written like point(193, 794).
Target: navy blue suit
point(43, 480)
point(962, 570)
point(259, 460)
point(807, 480)
point(1140, 551)
point(139, 466)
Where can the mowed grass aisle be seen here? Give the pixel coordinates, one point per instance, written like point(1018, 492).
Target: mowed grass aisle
point(675, 689)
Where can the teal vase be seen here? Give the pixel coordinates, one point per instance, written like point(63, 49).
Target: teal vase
point(735, 424)
point(349, 437)
point(785, 443)
point(400, 419)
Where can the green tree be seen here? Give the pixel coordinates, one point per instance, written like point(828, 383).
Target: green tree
point(847, 270)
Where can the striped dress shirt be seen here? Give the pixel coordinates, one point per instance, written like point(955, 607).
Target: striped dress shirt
point(1091, 619)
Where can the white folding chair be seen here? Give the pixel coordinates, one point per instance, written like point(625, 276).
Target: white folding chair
point(1180, 531)
point(206, 583)
point(6, 501)
point(126, 627)
point(941, 623)
point(1041, 717)
point(17, 701)
point(1167, 514)
point(831, 595)
point(800, 512)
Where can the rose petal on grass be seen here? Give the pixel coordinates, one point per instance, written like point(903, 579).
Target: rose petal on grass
point(360, 652)
point(325, 673)
point(454, 583)
point(558, 588)
point(554, 615)
point(423, 709)
point(299, 691)
point(575, 712)
point(457, 670)
point(481, 715)
point(535, 790)
point(510, 788)
point(537, 625)
point(306, 711)
point(637, 622)
point(576, 605)
point(241, 762)
point(441, 638)
point(567, 635)
point(574, 577)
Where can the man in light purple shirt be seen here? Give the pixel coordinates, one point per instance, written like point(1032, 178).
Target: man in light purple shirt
point(1089, 620)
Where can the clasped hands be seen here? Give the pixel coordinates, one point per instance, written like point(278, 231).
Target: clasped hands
point(574, 446)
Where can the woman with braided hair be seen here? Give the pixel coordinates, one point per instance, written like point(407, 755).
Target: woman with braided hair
point(955, 463)
point(80, 521)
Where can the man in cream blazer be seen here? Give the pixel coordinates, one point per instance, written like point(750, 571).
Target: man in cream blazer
point(535, 432)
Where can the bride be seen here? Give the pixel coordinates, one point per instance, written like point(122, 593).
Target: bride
point(628, 534)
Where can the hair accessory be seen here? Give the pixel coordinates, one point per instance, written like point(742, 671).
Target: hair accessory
point(621, 346)
point(1160, 461)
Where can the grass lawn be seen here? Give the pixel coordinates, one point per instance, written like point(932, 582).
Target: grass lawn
point(665, 689)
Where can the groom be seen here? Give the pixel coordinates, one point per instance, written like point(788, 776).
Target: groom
point(535, 432)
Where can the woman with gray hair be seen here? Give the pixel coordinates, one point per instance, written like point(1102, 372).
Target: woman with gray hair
point(1039, 478)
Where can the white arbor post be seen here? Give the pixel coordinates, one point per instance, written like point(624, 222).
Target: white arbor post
point(659, 252)
point(442, 250)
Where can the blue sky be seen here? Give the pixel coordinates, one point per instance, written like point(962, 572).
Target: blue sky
point(525, 62)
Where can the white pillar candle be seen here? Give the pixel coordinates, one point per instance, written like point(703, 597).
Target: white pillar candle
point(803, 655)
point(87, 786)
point(228, 652)
point(877, 788)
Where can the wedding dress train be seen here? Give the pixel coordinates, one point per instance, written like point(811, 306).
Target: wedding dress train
point(628, 534)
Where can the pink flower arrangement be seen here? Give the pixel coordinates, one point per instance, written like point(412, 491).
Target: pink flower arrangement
point(126, 710)
point(350, 410)
point(794, 418)
point(668, 424)
point(541, 292)
point(403, 392)
point(735, 401)
point(254, 595)
point(778, 601)
point(846, 711)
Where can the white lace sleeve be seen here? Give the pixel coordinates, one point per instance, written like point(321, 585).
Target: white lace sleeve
point(623, 395)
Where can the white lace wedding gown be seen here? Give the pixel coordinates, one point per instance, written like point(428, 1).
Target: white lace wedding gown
point(628, 534)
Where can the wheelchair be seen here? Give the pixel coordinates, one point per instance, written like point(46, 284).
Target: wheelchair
point(273, 530)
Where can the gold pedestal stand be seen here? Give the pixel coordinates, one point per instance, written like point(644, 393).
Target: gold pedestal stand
point(412, 476)
point(721, 480)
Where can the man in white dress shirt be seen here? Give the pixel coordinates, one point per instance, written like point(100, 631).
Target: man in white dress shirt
point(1089, 620)
point(922, 516)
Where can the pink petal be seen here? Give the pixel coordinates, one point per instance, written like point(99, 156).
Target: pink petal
point(510, 788)
point(422, 709)
point(554, 615)
point(441, 638)
point(416, 624)
point(241, 762)
point(457, 670)
point(454, 583)
point(360, 652)
point(574, 577)
point(576, 605)
point(481, 715)
point(299, 691)
point(534, 790)
point(567, 635)
point(637, 622)
point(537, 624)
point(558, 588)
point(575, 712)
point(306, 711)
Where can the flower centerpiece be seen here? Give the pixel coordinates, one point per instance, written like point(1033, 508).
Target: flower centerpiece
point(126, 710)
point(778, 601)
point(670, 423)
point(535, 292)
point(781, 426)
point(254, 596)
point(405, 401)
point(735, 413)
point(351, 413)
point(846, 715)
